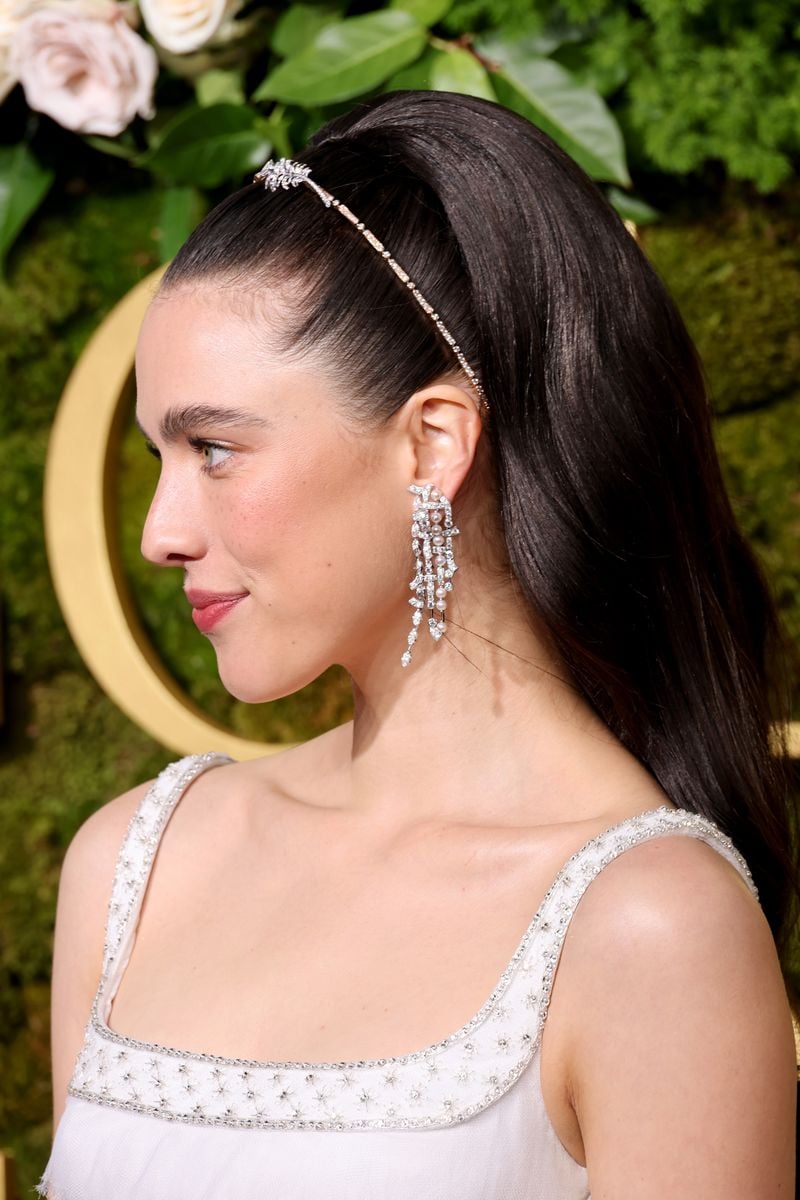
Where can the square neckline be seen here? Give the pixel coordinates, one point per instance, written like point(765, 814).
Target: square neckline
point(499, 989)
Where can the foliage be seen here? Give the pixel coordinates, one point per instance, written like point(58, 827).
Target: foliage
point(737, 284)
point(546, 93)
point(24, 182)
point(707, 85)
point(708, 82)
point(760, 451)
point(219, 114)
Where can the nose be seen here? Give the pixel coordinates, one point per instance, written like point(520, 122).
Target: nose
point(173, 530)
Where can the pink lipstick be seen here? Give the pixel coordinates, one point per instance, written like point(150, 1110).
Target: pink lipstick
point(208, 608)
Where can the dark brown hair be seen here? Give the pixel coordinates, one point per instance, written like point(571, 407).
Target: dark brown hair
point(618, 526)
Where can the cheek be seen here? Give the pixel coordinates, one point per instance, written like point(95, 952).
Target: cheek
point(328, 522)
point(258, 517)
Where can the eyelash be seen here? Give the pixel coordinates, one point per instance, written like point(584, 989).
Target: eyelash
point(198, 445)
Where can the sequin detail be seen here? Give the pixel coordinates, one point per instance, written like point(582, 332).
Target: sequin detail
point(440, 1085)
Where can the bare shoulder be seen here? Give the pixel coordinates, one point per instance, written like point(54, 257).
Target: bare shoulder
point(84, 893)
point(674, 909)
point(678, 1028)
point(670, 910)
point(235, 794)
point(87, 870)
point(675, 885)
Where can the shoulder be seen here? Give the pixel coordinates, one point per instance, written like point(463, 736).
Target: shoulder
point(84, 893)
point(91, 855)
point(87, 876)
point(682, 1015)
point(218, 801)
point(236, 805)
point(671, 908)
point(87, 871)
point(86, 881)
point(671, 887)
point(237, 796)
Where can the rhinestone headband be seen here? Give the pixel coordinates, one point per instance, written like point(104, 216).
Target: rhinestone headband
point(286, 173)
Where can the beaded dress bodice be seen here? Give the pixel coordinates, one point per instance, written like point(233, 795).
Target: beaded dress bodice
point(460, 1082)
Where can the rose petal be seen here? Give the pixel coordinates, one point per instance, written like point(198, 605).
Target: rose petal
point(80, 62)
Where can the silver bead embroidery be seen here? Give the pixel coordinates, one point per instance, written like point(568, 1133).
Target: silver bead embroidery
point(437, 1086)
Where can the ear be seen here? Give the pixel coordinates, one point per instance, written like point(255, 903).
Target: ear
point(444, 426)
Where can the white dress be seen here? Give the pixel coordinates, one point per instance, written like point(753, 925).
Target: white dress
point(463, 1119)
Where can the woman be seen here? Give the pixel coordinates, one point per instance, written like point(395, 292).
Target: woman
point(333, 979)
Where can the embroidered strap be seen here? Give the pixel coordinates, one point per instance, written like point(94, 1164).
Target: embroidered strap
point(135, 860)
point(578, 872)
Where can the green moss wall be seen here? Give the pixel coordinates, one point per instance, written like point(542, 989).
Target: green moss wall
point(65, 749)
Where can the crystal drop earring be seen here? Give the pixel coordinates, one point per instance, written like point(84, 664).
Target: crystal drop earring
point(432, 533)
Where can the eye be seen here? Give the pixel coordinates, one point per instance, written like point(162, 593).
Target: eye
point(208, 450)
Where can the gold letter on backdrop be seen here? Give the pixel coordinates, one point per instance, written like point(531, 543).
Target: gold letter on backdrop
point(82, 548)
point(84, 556)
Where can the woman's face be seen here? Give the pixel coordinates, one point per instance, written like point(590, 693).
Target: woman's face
point(264, 494)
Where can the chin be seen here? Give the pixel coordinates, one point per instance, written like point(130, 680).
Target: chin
point(262, 687)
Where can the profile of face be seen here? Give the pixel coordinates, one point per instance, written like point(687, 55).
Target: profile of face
point(272, 496)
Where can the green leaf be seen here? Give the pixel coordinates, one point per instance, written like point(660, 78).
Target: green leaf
point(346, 59)
point(573, 114)
point(207, 146)
point(24, 183)
point(631, 208)
point(299, 25)
point(181, 209)
point(549, 32)
point(427, 12)
point(605, 74)
point(118, 147)
point(417, 76)
point(276, 128)
point(220, 87)
point(457, 70)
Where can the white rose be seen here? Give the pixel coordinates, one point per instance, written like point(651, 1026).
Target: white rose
point(80, 62)
point(185, 25)
point(8, 23)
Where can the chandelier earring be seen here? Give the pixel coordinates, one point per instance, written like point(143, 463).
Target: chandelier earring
point(432, 533)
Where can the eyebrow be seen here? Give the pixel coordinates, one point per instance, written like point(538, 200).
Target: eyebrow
point(178, 421)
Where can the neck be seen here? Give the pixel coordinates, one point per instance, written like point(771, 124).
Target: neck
point(483, 727)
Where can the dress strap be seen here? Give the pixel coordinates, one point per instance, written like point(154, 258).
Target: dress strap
point(545, 939)
point(135, 861)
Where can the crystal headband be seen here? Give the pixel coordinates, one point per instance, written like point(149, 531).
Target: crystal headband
point(286, 173)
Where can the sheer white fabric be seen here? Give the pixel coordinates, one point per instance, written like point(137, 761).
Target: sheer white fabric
point(462, 1118)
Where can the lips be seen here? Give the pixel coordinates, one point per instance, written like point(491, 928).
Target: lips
point(201, 599)
point(208, 608)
